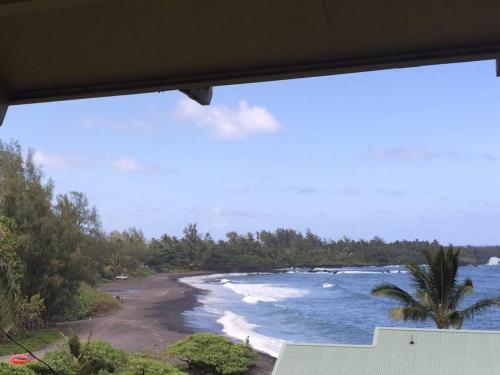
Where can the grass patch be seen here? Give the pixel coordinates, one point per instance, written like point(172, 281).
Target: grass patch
point(89, 302)
point(33, 341)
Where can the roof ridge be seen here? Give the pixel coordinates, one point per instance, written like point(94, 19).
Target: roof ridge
point(478, 331)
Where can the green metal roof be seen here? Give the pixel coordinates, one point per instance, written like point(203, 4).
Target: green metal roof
point(433, 352)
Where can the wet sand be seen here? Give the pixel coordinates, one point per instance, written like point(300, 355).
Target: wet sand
point(150, 317)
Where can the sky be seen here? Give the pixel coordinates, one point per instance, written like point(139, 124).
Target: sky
point(402, 154)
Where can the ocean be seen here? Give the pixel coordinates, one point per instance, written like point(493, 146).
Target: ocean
point(322, 305)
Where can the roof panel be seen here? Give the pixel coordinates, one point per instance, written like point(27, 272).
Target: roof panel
point(433, 352)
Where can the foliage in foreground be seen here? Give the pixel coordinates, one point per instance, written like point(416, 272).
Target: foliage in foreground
point(6, 369)
point(148, 366)
point(438, 293)
point(83, 359)
point(34, 341)
point(98, 358)
point(88, 302)
point(214, 354)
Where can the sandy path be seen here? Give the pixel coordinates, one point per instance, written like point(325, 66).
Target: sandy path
point(150, 316)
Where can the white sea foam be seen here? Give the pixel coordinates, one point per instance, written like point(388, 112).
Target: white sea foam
point(201, 281)
point(254, 293)
point(494, 261)
point(328, 285)
point(326, 269)
point(223, 281)
point(239, 328)
point(352, 272)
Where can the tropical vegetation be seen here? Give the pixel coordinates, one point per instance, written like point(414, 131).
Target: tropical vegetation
point(54, 251)
point(438, 293)
point(213, 354)
point(203, 353)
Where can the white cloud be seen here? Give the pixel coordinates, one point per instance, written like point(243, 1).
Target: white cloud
point(57, 161)
point(128, 164)
point(229, 123)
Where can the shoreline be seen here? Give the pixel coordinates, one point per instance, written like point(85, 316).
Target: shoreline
point(151, 316)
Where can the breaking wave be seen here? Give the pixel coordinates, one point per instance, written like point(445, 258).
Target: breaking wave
point(253, 293)
point(239, 328)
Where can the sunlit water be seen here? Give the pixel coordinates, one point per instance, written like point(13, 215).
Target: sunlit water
point(329, 306)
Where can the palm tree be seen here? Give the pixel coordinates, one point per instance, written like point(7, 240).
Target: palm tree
point(438, 293)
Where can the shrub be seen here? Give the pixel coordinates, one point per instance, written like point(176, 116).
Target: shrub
point(99, 355)
point(6, 369)
point(148, 366)
point(60, 360)
point(29, 314)
point(96, 357)
point(214, 354)
point(89, 302)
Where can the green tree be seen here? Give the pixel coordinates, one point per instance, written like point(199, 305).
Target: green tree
point(10, 275)
point(126, 252)
point(438, 293)
point(57, 244)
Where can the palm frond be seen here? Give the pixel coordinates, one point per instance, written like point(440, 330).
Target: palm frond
point(410, 313)
point(419, 277)
point(479, 307)
point(443, 268)
point(427, 300)
point(394, 292)
point(459, 292)
point(422, 282)
point(456, 319)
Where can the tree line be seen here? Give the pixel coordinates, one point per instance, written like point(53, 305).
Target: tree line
point(282, 248)
point(50, 244)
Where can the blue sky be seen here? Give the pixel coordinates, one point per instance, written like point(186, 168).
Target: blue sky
point(409, 153)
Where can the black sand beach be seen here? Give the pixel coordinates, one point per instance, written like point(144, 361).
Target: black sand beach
point(150, 317)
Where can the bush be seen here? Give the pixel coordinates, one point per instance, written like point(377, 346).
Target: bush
point(89, 302)
point(147, 366)
point(99, 355)
point(60, 360)
point(6, 369)
point(214, 354)
point(96, 357)
point(29, 314)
